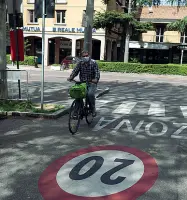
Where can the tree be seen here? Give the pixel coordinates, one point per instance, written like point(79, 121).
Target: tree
point(108, 19)
point(3, 79)
point(27, 46)
point(180, 26)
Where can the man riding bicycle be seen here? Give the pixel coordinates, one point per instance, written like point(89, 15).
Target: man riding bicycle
point(89, 72)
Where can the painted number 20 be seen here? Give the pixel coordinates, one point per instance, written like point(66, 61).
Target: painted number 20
point(106, 177)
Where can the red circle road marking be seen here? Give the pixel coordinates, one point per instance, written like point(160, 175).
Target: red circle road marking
point(50, 189)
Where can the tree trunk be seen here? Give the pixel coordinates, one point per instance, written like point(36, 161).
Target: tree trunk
point(3, 74)
point(128, 33)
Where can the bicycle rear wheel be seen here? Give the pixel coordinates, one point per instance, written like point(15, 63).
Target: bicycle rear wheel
point(74, 115)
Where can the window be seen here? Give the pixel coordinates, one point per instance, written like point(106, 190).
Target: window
point(160, 33)
point(61, 1)
point(60, 16)
point(30, 1)
point(183, 38)
point(168, 3)
point(32, 18)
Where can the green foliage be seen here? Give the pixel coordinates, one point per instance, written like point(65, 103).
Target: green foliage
point(8, 59)
point(28, 60)
point(105, 1)
point(142, 27)
point(26, 106)
point(134, 60)
point(27, 46)
point(107, 19)
point(179, 25)
point(143, 68)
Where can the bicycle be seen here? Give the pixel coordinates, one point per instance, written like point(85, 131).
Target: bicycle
point(79, 109)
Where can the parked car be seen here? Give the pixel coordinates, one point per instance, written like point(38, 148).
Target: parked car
point(69, 60)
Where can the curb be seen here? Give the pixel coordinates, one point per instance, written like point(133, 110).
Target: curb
point(55, 115)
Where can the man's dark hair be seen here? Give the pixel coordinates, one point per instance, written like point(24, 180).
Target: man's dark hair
point(85, 52)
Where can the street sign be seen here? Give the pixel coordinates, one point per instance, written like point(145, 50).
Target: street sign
point(98, 173)
point(49, 8)
point(182, 47)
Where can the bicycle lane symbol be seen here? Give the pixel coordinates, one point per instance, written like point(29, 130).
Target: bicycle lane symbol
point(103, 172)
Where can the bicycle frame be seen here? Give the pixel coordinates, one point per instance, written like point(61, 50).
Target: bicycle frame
point(82, 108)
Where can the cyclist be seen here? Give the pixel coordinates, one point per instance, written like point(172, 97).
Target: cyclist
point(89, 72)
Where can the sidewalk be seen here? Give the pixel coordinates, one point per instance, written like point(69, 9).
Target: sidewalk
point(119, 77)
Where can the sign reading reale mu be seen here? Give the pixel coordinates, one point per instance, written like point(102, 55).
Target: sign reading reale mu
point(56, 29)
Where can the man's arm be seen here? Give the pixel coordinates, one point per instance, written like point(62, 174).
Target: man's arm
point(75, 72)
point(97, 73)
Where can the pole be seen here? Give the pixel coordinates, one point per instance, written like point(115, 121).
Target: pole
point(127, 39)
point(89, 26)
point(3, 72)
point(43, 51)
point(182, 54)
point(182, 51)
point(16, 39)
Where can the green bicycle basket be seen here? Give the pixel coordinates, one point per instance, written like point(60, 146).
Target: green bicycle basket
point(78, 91)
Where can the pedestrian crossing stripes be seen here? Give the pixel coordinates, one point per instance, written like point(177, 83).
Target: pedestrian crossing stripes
point(184, 111)
point(157, 109)
point(125, 108)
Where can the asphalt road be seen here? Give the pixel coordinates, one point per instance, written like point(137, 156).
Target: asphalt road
point(149, 116)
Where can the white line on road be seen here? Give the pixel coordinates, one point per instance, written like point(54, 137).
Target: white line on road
point(125, 108)
point(100, 103)
point(157, 109)
point(184, 110)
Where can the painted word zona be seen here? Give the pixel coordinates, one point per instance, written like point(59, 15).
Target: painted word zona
point(177, 131)
point(71, 30)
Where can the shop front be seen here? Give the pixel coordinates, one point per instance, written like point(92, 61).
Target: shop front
point(62, 42)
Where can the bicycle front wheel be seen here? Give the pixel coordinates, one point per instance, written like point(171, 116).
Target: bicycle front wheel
point(74, 117)
point(89, 115)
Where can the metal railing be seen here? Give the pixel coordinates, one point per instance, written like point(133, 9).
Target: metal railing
point(9, 78)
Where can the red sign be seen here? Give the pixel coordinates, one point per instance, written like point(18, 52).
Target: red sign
point(13, 47)
point(99, 173)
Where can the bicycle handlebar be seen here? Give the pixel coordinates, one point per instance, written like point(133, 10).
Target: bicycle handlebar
point(79, 82)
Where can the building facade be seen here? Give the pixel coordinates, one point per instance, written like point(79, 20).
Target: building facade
point(64, 34)
point(160, 45)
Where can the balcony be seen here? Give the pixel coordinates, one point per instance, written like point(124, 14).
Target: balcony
point(167, 37)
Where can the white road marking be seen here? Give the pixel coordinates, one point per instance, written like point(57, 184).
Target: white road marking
point(125, 108)
point(184, 110)
point(92, 186)
point(157, 109)
point(100, 103)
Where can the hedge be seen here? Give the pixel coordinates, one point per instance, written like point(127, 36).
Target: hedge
point(28, 60)
point(174, 69)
